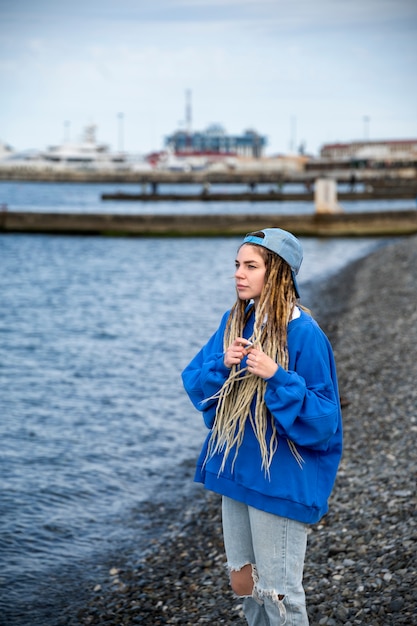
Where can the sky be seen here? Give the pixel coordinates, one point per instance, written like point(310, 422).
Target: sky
point(300, 72)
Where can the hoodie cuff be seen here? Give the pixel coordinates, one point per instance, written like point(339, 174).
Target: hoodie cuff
point(279, 379)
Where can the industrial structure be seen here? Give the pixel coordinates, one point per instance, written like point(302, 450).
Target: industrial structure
point(215, 141)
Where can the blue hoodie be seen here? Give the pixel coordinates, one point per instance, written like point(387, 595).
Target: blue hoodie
point(305, 406)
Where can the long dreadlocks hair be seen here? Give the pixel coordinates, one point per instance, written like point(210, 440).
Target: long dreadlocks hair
point(272, 315)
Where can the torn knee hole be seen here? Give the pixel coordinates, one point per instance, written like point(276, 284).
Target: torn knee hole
point(243, 580)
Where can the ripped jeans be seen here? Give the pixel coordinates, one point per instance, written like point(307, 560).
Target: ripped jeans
point(275, 548)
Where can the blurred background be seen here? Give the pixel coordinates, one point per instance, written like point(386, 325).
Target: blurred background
point(300, 73)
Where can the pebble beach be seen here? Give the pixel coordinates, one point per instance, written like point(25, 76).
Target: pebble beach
point(361, 563)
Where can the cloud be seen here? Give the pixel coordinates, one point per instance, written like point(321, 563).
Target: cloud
point(248, 63)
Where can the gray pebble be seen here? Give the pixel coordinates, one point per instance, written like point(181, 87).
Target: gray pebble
point(361, 560)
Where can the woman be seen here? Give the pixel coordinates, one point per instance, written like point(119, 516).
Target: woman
point(267, 386)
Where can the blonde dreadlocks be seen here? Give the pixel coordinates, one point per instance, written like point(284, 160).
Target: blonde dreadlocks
point(272, 315)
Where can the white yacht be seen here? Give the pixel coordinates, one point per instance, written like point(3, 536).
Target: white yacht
point(87, 152)
point(84, 155)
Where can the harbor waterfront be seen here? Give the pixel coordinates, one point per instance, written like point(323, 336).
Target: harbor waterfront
point(98, 438)
point(77, 208)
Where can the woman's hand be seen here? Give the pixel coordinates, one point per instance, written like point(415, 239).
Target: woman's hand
point(260, 363)
point(236, 351)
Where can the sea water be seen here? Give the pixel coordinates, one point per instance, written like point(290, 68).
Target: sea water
point(98, 440)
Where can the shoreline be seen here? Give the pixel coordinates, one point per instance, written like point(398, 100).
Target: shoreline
point(360, 563)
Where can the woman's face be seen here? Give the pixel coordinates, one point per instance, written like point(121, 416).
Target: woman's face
point(250, 273)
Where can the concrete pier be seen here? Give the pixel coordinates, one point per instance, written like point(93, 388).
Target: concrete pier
point(390, 178)
point(270, 196)
point(371, 224)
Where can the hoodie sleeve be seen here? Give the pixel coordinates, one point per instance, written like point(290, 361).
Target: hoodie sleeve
point(304, 401)
point(205, 375)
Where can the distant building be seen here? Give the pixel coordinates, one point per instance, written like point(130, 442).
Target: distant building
point(397, 149)
point(215, 141)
